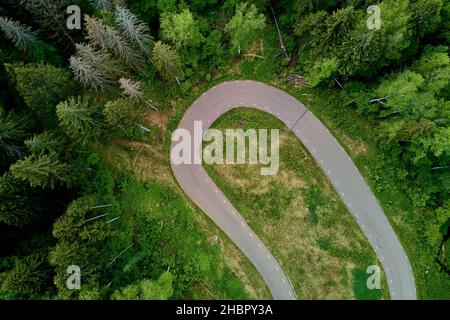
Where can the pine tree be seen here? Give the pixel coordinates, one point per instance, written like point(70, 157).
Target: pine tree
point(19, 204)
point(75, 225)
point(121, 114)
point(131, 89)
point(105, 37)
point(11, 136)
point(51, 15)
point(48, 142)
point(42, 171)
point(42, 87)
point(134, 30)
point(22, 36)
point(30, 275)
point(166, 61)
point(101, 4)
point(78, 118)
point(339, 25)
point(81, 234)
point(91, 67)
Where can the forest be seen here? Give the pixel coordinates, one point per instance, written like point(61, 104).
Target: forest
point(74, 103)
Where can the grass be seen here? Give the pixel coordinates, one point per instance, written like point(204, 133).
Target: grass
point(298, 216)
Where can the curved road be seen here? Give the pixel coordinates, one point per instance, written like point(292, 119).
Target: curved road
point(329, 155)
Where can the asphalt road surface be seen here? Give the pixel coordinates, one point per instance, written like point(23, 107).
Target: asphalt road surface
point(329, 155)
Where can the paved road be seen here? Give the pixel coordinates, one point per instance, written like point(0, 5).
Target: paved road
point(329, 155)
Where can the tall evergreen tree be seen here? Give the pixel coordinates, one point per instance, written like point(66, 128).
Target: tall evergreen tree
point(19, 204)
point(78, 117)
point(22, 36)
point(131, 89)
point(134, 30)
point(42, 86)
point(105, 37)
point(91, 67)
point(121, 114)
point(29, 277)
point(42, 171)
point(166, 61)
point(51, 15)
point(101, 4)
point(47, 141)
point(11, 136)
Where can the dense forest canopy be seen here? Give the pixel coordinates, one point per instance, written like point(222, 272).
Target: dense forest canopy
point(65, 91)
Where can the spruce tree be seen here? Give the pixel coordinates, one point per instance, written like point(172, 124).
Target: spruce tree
point(121, 114)
point(42, 86)
point(47, 141)
point(51, 15)
point(105, 37)
point(78, 118)
point(19, 203)
point(42, 170)
point(134, 30)
point(166, 61)
point(11, 135)
point(22, 36)
point(91, 67)
point(29, 277)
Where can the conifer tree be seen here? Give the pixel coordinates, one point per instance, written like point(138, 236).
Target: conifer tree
point(19, 204)
point(11, 136)
point(78, 118)
point(29, 276)
point(134, 30)
point(105, 37)
point(91, 67)
point(121, 114)
point(42, 171)
point(166, 61)
point(51, 15)
point(42, 86)
point(22, 36)
point(101, 4)
point(47, 141)
point(131, 89)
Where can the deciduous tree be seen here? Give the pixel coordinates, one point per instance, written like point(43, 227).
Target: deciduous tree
point(181, 30)
point(245, 26)
point(160, 289)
